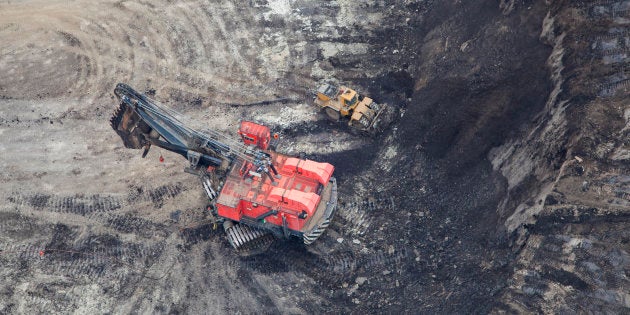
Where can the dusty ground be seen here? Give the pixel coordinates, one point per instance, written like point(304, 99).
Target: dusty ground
point(472, 202)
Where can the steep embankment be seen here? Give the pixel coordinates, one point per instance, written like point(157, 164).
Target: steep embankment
point(480, 78)
point(523, 111)
point(568, 201)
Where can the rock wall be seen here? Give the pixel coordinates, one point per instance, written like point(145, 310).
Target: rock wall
point(520, 114)
point(568, 203)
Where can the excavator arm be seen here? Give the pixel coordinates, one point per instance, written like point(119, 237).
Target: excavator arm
point(141, 122)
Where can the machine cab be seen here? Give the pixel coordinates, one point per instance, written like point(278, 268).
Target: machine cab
point(349, 97)
point(254, 134)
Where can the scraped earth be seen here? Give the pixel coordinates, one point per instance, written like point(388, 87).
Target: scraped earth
point(503, 187)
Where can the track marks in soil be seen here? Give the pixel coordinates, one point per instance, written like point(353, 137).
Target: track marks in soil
point(359, 212)
point(588, 268)
point(611, 46)
point(82, 205)
point(87, 205)
point(87, 258)
point(342, 266)
point(156, 195)
point(199, 233)
point(228, 54)
point(111, 211)
point(330, 269)
point(116, 267)
point(135, 225)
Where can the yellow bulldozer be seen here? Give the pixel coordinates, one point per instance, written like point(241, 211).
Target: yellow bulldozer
point(363, 113)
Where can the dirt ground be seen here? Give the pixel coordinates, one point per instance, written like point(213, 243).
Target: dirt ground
point(472, 202)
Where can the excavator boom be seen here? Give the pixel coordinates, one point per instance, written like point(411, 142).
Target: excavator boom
point(142, 122)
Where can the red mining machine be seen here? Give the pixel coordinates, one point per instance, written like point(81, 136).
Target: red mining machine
point(257, 194)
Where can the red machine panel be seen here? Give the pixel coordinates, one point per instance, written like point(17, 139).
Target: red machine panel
point(320, 171)
point(253, 133)
point(293, 194)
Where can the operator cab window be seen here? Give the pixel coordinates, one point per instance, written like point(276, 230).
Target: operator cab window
point(353, 100)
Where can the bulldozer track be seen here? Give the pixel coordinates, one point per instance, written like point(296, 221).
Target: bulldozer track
point(347, 263)
point(612, 43)
point(52, 304)
point(97, 208)
point(331, 269)
point(11, 222)
point(103, 48)
point(132, 224)
point(105, 44)
point(118, 268)
point(337, 268)
point(84, 260)
point(612, 36)
point(128, 251)
point(612, 48)
point(199, 233)
point(609, 9)
point(158, 195)
point(358, 213)
point(87, 205)
point(155, 195)
point(615, 57)
point(67, 204)
point(609, 90)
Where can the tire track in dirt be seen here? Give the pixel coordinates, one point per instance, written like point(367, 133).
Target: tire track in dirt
point(359, 212)
point(109, 49)
point(88, 204)
point(84, 206)
point(141, 43)
point(342, 266)
point(95, 256)
point(613, 48)
point(327, 269)
point(85, 258)
point(110, 211)
point(117, 268)
point(238, 59)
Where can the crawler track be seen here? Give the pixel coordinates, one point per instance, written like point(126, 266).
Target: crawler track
point(248, 240)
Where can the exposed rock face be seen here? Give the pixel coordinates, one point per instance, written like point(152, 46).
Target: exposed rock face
point(568, 199)
point(555, 132)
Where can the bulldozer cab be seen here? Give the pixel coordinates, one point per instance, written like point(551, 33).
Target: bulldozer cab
point(349, 98)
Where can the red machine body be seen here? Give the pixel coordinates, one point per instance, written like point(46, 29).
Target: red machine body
point(292, 200)
point(258, 194)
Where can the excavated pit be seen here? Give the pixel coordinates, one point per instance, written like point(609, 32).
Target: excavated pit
point(503, 187)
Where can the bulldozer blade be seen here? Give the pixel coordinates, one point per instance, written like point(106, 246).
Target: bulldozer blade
point(127, 123)
point(386, 115)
